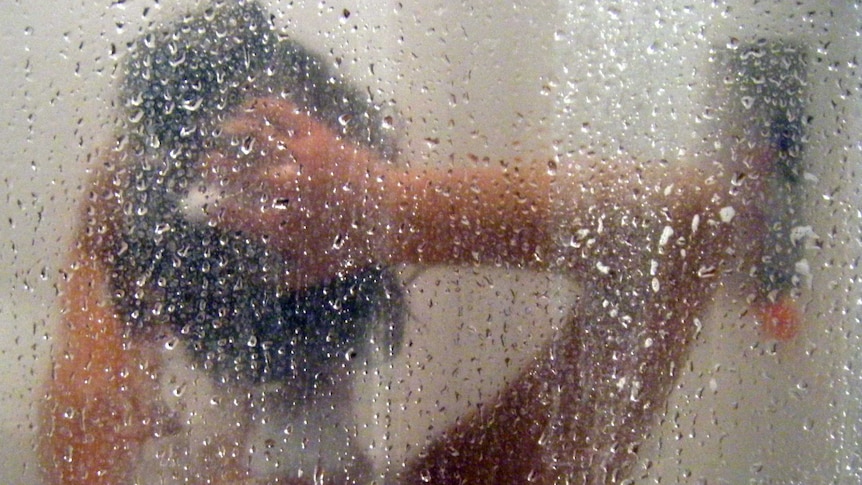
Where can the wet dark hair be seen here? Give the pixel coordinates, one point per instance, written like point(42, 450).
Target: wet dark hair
point(221, 291)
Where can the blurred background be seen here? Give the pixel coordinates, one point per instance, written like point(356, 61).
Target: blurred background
point(555, 78)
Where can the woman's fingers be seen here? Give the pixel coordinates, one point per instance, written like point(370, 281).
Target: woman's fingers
point(273, 138)
point(294, 183)
point(269, 115)
point(267, 128)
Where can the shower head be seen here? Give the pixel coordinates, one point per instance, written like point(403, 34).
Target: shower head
point(763, 95)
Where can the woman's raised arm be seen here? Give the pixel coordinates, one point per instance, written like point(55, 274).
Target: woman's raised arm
point(329, 205)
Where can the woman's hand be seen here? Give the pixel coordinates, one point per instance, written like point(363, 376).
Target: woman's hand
point(296, 184)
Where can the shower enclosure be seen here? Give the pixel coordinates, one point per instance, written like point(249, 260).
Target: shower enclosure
point(567, 84)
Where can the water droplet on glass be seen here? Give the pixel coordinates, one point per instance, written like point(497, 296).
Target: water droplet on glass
point(338, 242)
point(706, 271)
point(666, 234)
point(247, 145)
point(178, 61)
point(192, 104)
point(318, 475)
point(136, 116)
point(162, 228)
point(727, 214)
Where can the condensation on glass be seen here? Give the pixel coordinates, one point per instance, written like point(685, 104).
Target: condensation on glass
point(376, 242)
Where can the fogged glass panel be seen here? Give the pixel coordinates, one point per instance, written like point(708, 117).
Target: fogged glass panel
point(379, 242)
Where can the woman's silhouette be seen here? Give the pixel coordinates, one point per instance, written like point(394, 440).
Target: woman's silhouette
point(251, 216)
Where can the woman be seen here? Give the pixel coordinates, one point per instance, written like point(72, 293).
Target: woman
point(248, 221)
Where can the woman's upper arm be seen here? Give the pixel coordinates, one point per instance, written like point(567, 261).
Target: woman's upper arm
point(95, 412)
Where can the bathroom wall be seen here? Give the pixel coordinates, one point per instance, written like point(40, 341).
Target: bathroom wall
point(548, 79)
point(56, 71)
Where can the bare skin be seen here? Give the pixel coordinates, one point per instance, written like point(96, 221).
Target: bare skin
point(335, 190)
point(305, 175)
point(649, 241)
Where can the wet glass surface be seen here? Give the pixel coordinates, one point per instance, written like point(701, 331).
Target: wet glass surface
point(344, 242)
